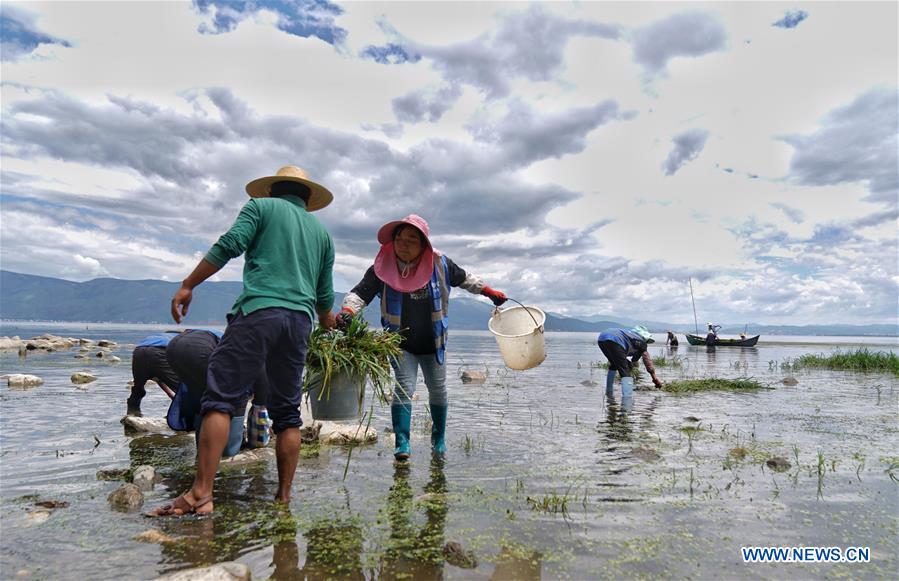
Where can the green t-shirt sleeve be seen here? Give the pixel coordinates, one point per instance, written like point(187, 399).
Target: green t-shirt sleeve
point(235, 241)
point(324, 291)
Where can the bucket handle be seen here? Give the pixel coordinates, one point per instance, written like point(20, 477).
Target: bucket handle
point(526, 310)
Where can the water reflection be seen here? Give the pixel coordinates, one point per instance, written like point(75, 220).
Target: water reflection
point(333, 549)
point(517, 563)
point(161, 451)
point(286, 561)
point(412, 552)
point(617, 425)
point(622, 423)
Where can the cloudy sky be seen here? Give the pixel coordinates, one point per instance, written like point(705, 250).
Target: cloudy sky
point(585, 157)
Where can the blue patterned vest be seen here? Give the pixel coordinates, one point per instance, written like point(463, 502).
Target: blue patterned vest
point(392, 306)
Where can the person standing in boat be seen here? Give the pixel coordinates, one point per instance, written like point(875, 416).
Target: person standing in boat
point(414, 280)
point(712, 335)
point(622, 348)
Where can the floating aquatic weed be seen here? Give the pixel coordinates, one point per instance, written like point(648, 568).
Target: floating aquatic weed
point(334, 548)
point(661, 360)
point(737, 453)
point(693, 482)
point(691, 432)
point(713, 384)
point(310, 450)
point(860, 458)
point(744, 365)
point(355, 439)
point(822, 470)
point(862, 359)
point(470, 444)
point(892, 469)
point(790, 364)
point(551, 503)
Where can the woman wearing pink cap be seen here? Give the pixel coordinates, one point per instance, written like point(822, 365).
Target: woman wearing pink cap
point(414, 280)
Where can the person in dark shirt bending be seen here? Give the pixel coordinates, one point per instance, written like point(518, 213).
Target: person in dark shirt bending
point(414, 280)
point(148, 362)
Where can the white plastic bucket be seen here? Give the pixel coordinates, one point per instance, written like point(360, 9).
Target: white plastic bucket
point(519, 334)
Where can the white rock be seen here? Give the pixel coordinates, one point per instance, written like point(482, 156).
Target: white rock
point(11, 343)
point(126, 497)
point(113, 359)
point(473, 377)
point(154, 536)
point(334, 433)
point(227, 571)
point(49, 342)
point(23, 380)
point(144, 478)
point(37, 516)
point(249, 456)
point(146, 425)
point(106, 343)
point(83, 377)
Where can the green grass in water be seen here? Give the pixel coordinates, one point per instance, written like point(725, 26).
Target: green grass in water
point(713, 384)
point(667, 361)
point(859, 360)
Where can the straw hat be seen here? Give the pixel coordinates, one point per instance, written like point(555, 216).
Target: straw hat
point(318, 198)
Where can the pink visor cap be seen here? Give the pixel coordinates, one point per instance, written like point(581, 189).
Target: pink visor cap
point(385, 234)
point(386, 266)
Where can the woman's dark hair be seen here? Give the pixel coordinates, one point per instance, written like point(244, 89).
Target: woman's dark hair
point(401, 227)
point(291, 189)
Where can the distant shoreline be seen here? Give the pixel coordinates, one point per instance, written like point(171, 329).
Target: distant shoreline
point(767, 339)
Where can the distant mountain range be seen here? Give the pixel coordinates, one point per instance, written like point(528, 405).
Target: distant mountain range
point(39, 298)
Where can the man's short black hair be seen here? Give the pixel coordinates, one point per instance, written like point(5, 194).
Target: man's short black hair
point(291, 189)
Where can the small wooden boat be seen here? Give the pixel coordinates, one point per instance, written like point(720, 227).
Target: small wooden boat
point(719, 342)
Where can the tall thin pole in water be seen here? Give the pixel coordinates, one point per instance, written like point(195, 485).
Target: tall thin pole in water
point(695, 320)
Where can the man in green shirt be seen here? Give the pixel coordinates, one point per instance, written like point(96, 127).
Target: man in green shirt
point(289, 259)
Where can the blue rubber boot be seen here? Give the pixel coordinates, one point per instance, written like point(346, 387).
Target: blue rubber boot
point(610, 382)
point(438, 428)
point(627, 386)
point(401, 416)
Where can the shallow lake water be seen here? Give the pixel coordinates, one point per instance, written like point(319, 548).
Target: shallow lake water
point(545, 477)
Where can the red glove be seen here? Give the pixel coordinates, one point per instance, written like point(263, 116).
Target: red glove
point(498, 297)
point(344, 317)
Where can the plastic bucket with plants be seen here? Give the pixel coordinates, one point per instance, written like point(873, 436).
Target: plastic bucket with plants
point(340, 363)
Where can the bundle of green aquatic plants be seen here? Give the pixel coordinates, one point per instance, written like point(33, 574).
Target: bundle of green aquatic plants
point(713, 384)
point(357, 351)
point(861, 360)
